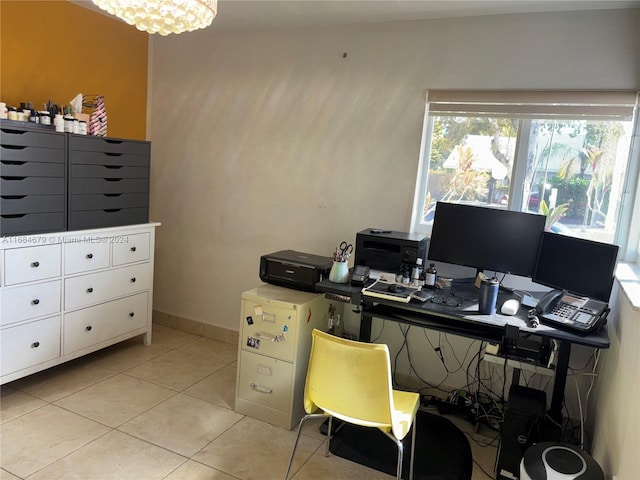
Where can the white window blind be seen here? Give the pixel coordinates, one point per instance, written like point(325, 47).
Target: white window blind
point(587, 104)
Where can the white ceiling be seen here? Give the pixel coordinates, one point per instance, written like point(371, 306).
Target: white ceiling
point(309, 13)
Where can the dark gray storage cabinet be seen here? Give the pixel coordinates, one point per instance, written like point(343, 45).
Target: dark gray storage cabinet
point(108, 182)
point(33, 173)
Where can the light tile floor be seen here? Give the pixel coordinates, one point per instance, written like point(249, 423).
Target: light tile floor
point(163, 411)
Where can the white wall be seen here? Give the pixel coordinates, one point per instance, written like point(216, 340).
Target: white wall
point(270, 140)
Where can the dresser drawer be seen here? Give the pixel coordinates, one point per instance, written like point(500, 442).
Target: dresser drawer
point(109, 145)
point(21, 204)
point(99, 323)
point(32, 263)
point(105, 158)
point(112, 201)
point(29, 344)
point(29, 301)
point(102, 286)
point(83, 254)
point(131, 248)
point(30, 169)
point(29, 138)
point(108, 171)
point(84, 186)
point(107, 218)
point(269, 330)
point(27, 223)
point(265, 381)
point(10, 185)
point(32, 154)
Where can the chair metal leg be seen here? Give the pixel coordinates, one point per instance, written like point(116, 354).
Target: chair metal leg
point(413, 448)
point(295, 445)
point(329, 435)
point(399, 467)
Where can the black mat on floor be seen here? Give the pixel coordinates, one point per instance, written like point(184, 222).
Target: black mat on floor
point(442, 449)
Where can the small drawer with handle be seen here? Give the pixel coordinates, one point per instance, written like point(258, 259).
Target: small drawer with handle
point(102, 286)
point(266, 381)
point(29, 344)
point(99, 323)
point(269, 330)
point(32, 263)
point(131, 248)
point(29, 301)
point(83, 254)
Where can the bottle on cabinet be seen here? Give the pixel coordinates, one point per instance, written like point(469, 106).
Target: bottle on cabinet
point(430, 276)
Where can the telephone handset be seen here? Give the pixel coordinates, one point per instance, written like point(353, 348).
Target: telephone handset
point(548, 301)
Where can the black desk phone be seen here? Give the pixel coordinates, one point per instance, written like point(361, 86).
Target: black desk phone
point(360, 275)
point(561, 309)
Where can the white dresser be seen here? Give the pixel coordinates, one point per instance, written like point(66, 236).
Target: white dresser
point(273, 351)
point(63, 295)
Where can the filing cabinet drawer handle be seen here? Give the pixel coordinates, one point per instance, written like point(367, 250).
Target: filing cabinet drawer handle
point(35, 301)
point(260, 388)
point(269, 317)
point(89, 256)
point(88, 328)
point(35, 264)
point(266, 336)
point(90, 290)
point(35, 344)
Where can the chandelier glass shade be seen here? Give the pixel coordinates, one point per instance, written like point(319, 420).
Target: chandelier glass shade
point(163, 16)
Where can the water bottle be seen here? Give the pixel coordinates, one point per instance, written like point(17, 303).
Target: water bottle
point(488, 296)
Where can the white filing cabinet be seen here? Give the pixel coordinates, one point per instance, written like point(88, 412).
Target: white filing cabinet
point(273, 353)
point(63, 295)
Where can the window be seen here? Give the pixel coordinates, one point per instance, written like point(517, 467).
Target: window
point(563, 154)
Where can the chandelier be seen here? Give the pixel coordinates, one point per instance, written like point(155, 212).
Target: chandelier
point(163, 16)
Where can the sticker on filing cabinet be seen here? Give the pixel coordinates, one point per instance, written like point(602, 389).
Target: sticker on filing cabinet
point(249, 320)
point(257, 310)
point(253, 342)
point(285, 328)
point(281, 337)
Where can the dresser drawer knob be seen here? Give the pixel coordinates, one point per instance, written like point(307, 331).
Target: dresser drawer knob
point(90, 290)
point(35, 301)
point(88, 328)
point(133, 249)
point(132, 314)
point(35, 264)
point(35, 344)
point(89, 256)
point(133, 280)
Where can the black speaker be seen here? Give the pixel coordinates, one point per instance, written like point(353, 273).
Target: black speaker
point(521, 428)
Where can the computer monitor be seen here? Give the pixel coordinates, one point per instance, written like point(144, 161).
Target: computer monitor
point(579, 266)
point(486, 238)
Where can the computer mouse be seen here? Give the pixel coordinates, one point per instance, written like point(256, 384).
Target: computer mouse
point(510, 307)
point(396, 288)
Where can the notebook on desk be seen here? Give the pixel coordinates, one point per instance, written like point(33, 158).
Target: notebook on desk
point(390, 291)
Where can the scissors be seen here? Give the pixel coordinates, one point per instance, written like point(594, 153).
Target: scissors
point(346, 249)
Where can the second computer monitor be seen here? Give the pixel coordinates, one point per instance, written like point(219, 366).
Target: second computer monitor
point(486, 238)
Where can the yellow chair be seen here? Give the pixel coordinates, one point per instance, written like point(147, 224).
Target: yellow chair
point(352, 382)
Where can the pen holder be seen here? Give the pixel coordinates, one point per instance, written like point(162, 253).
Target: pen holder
point(339, 272)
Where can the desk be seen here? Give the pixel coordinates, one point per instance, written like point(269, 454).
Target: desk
point(464, 320)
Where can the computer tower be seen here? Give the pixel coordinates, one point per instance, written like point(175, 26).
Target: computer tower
point(521, 428)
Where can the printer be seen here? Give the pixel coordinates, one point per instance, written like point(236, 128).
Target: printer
point(296, 270)
point(387, 251)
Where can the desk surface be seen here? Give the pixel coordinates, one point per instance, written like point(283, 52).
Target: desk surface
point(464, 319)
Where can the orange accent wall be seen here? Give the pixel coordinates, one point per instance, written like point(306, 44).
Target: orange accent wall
point(53, 50)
